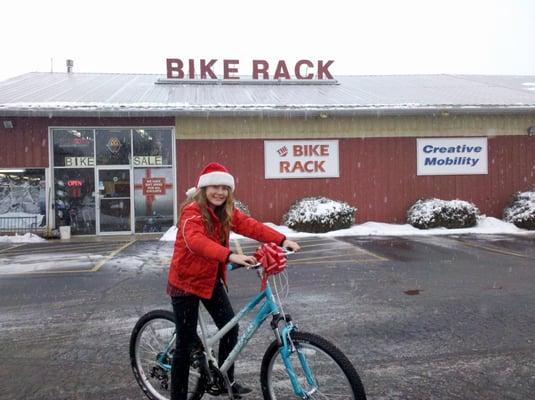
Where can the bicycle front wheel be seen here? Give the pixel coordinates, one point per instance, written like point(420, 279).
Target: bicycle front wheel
point(151, 356)
point(334, 375)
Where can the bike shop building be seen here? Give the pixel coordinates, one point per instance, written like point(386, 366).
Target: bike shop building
point(114, 153)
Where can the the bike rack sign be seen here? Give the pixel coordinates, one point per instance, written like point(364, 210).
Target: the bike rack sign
point(301, 159)
point(178, 69)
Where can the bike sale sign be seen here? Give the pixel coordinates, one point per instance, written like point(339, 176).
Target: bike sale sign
point(284, 159)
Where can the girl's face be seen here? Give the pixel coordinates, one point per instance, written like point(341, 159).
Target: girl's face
point(216, 195)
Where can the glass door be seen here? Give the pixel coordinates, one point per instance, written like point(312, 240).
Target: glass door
point(114, 211)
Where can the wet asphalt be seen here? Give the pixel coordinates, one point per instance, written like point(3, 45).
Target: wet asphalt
point(433, 317)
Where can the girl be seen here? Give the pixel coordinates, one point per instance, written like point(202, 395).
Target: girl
point(198, 267)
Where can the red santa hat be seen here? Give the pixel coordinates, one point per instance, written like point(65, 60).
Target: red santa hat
point(213, 174)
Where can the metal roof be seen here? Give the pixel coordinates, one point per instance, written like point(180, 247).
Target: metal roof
point(110, 94)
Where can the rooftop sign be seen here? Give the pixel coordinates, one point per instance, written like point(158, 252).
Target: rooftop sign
point(261, 69)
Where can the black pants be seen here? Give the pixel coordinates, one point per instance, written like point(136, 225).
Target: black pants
point(186, 310)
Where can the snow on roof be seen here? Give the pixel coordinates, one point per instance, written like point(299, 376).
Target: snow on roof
point(99, 94)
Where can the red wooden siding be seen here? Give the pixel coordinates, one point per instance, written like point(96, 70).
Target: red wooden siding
point(378, 176)
point(26, 145)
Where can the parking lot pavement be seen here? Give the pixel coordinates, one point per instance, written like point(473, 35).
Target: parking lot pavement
point(58, 257)
point(420, 317)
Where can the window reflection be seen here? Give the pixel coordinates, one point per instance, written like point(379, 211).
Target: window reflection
point(152, 147)
point(23, 196)
point(75, 201)
point(74, 148)
point(113, 146)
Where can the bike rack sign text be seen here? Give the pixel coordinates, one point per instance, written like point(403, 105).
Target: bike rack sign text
point(261, 69)
point(301, 159)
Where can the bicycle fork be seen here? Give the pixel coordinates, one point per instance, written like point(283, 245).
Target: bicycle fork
point(286, 349)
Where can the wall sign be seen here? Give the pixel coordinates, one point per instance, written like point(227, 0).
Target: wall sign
point(301, 159)
point(452, 156)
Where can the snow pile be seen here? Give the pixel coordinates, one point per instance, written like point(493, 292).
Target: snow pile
point(318, 215)
point(240, 205)
point(484, 226)
point(170, 235)
point(521, 211)
point(433, 213)
point(27, 238)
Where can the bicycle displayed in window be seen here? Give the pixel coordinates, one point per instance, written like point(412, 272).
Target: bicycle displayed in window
point(296, 365)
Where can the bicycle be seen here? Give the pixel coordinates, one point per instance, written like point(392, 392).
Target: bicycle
point(295, 365)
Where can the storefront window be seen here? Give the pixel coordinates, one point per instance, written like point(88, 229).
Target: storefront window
point(152, 147)
point(153, 199)
point(113, 146)
point(94, 170)
point(74, 148)
point(22, 199)
point(74, 199)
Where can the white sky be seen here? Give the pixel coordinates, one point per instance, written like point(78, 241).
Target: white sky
point(363, 37)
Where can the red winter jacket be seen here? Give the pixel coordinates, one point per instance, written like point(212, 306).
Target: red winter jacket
point(199, 257)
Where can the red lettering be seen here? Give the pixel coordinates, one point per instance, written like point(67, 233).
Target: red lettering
point(298, 167)
point(260, 67)
point(284, 166)
point(174, 68)
point(298, 69)
point(324, 69)
point(206, 68)
point(227, 70)
point(324, 150)
point(298, 150)
point(191, 69)
point(318, 166)
point(281, 71)
point(309, 166)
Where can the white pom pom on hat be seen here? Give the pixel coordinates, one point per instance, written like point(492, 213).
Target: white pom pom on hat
point(213, 174)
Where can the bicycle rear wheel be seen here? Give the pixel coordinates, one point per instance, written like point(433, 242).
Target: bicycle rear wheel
point(335, 377)
point(151, 363)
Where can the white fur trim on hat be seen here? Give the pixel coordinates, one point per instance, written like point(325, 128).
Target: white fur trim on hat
point(191, 192)
point(216, 178)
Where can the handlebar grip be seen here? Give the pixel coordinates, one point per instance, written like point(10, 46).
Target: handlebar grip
point(232, 267)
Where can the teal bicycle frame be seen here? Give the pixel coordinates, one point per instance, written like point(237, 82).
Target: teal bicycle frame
point(269, 307)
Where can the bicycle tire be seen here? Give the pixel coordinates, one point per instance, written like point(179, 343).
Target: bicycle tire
point(322, 356)
point(152, 387)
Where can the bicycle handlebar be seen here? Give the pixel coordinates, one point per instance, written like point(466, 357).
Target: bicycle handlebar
point(232, 266)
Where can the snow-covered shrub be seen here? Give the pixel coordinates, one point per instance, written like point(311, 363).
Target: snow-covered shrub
point(521, 210)
point(433, 213)
point(318, 215)
point(240, 205)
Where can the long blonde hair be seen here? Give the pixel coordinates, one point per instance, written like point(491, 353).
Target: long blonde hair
point(223, 212)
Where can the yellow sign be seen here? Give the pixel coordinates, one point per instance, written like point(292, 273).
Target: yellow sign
point(79, 161)
point(140, 161)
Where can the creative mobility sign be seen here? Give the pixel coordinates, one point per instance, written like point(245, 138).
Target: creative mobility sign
point(452, 156)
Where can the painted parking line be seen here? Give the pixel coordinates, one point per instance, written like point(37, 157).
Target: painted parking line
point(11, 247)
point(493, 249)
point(350, 252)
point(55, 249)
point(78, 258)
